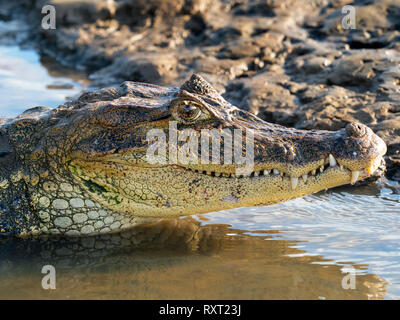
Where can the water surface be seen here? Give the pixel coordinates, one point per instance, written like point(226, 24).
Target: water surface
point(26, 82)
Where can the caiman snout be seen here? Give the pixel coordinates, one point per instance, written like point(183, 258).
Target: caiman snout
point(363, 143)
point(356, 130)
point(359, 149)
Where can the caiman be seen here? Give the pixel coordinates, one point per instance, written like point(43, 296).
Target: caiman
point(83, 168)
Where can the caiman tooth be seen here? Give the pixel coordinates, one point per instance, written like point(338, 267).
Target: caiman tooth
point(314, 172)
point(266, 172)
point(332, 161)
point(371, 169)
point(341, 167)
point(354, 176)
point(305, 177)
point(293, 182)
point(321, 169)
point(217, 174)
point(276, 172)
point(255, 173)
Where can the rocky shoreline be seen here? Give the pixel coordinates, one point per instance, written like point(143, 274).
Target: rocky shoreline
point(290, 62)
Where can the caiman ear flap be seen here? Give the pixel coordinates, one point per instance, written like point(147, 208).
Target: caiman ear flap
point(197, 84)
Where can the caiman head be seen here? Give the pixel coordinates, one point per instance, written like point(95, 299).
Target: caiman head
point(148, 151)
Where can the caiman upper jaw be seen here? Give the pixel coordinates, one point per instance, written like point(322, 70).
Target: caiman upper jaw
point(298, 154)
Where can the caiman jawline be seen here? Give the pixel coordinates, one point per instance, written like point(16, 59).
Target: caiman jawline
point(329, 163)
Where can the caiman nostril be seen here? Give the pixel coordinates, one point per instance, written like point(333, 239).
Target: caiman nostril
point(356, 130)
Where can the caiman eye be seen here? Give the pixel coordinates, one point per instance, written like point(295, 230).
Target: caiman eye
point(186, 111)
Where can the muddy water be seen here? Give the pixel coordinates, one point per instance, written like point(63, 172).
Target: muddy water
point(302, 249)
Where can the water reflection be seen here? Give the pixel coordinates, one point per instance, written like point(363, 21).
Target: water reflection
point(26, 81)
point(177, 259)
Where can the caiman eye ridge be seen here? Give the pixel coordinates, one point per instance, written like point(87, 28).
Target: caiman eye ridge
point(329, 162)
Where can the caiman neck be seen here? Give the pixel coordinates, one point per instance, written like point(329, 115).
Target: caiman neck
point(17, 216)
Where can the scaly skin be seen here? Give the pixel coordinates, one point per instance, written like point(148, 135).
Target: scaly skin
point(82, 168)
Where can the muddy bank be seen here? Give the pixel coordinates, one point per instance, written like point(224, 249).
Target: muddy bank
point(289, 62)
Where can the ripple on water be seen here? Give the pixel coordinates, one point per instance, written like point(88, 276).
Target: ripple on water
point(350, 224)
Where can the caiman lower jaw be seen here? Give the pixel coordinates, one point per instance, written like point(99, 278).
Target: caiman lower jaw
point(316, 173)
